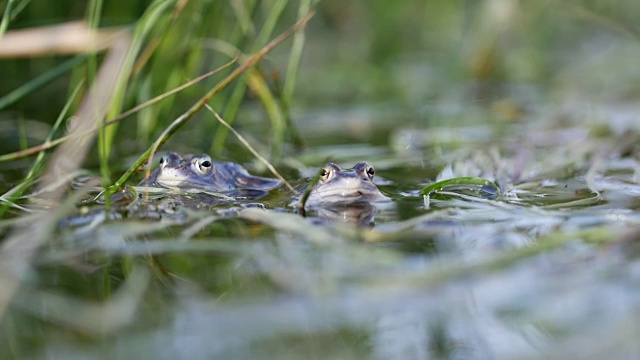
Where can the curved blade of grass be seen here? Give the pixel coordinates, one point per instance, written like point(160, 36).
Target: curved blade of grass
point(145, 54)
point(252, 150)
point(294, 59)
point(37, 164)
point(6, 17)
point(10, 14)
point(278, 126)
point(230, 111)
point(50, 144)
point(107, 134)
point(608, 22)
point(220, 137)
point(242, 14)
point(40, 81)
point(482, 187)
point(290, 78)
point(270, 22)
point(205, 99)
point(303, 199)
point(232, 103)
point(18, 9)
point(591, 200)
point(19, 249)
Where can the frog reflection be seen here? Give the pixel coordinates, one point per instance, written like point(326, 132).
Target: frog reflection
point(361, 214)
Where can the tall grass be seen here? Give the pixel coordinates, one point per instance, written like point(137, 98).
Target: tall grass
point(267, 99)
point(6, 16)
point(182, 119)
point(167, 40)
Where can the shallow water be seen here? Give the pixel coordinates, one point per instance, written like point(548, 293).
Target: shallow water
point(540, 271)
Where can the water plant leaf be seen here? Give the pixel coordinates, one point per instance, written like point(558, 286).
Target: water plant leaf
point(470, 185)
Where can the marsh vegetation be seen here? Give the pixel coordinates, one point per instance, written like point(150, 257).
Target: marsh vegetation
point(505, 134)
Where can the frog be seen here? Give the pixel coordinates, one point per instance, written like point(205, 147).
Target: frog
point(200, 172)
point(337, 186)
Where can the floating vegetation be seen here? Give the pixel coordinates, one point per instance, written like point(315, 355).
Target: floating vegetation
point(472, 186)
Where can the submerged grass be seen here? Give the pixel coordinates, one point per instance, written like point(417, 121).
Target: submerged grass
point(479, 186)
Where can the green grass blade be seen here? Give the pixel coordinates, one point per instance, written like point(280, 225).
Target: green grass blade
point(474, 185)
point(52, 143)
point(143, 27)
point(290, 78)
point(231, 110)
point(252, 150)
point(205, 99)
point(18, 9)
point(278, 126)
point(6, 17)
point(38, 162)
point(294, 59)
point(40, 81)
point(270, 23)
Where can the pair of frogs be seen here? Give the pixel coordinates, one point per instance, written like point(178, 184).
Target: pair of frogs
point(335, 186)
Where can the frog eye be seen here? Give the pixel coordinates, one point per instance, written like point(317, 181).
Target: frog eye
point(203, 164)
point(325, 173)
point(163, 161)
point(370, 172)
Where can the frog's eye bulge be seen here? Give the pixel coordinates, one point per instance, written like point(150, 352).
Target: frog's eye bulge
point(202, 164)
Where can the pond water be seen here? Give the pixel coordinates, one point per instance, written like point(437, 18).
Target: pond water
point(540, 271)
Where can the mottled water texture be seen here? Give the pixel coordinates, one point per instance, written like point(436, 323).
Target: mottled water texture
point(537, 272)
point(539, 100)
